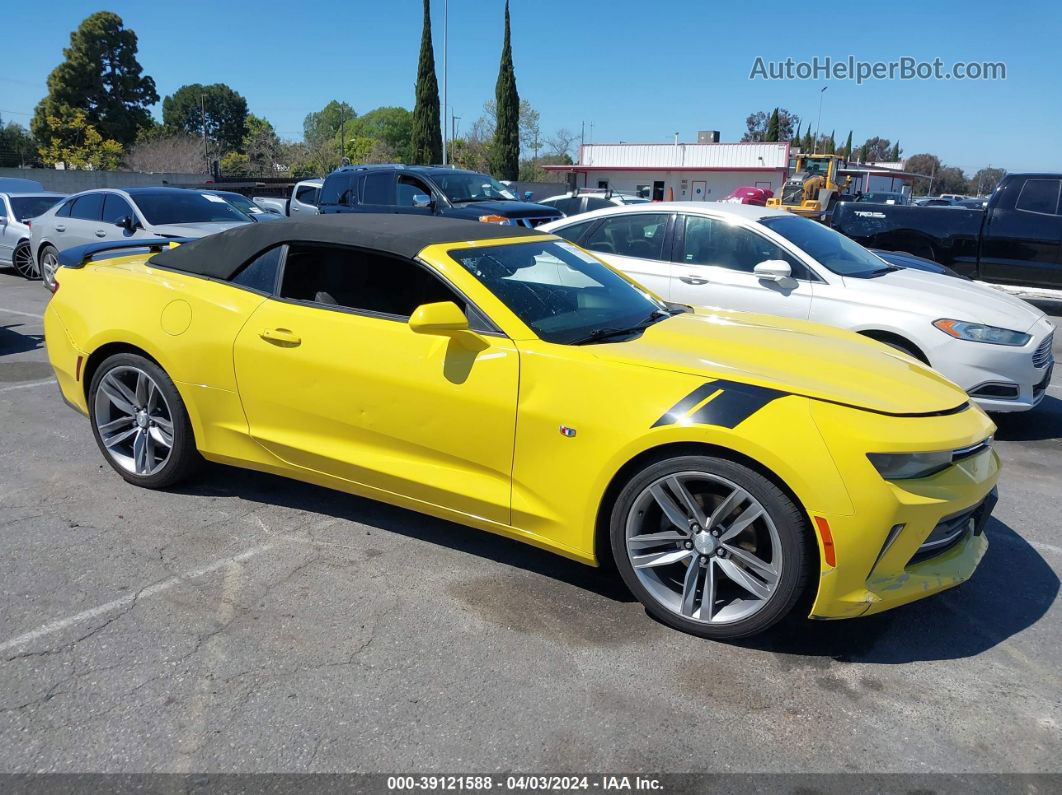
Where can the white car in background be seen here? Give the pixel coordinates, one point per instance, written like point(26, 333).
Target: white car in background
point(739, 256)
point(585, 200)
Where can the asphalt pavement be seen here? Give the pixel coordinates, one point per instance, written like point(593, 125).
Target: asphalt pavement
point(248, 623)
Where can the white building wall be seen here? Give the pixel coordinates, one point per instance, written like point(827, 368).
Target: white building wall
point(736, 156)
point(716, 184)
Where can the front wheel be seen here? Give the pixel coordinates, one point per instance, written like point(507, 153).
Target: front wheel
point(49, 264)
point(710, 547)
point(23, 262)
point(140, 422)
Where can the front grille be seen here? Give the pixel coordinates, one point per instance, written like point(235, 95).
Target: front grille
point(951, 530)
point(1042, 355)
point(793, 194)
point(537, 220)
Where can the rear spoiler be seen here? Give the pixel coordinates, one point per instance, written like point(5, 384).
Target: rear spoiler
point(77, 256)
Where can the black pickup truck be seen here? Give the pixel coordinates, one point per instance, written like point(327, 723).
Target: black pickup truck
point(1016, 239)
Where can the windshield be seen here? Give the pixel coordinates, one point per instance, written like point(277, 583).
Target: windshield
point(31, 206)
point(813, 168)
point(173, 207)
point(562, 293)
point(882, 198)
point(835, 251)
point(242, 203)
point(461, 186)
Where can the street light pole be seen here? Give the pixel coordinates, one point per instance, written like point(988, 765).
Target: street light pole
point(815, 148)
point(446, 42)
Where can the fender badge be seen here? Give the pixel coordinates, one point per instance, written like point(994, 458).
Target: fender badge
point(566, 431)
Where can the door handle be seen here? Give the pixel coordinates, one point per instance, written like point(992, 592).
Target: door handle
point(280, 336)
point(60, 229)
point(692, 280)
point(100, 233)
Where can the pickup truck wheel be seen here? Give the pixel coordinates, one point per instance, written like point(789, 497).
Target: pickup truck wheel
point(49, 264)
point(710, 547)
point(22, 261)
point(140, 422)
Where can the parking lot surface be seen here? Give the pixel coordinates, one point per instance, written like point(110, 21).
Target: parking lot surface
point(248, 623)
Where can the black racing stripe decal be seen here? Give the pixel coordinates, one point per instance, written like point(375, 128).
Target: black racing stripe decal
point(736, 404)
point(687, 404)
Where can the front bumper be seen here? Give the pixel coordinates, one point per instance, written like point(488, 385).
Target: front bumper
point(997, 377)
point(879, 555)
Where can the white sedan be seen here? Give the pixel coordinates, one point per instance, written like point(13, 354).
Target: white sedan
point(738, 256)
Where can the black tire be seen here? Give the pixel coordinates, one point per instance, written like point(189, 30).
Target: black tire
point(183, 457)
point(793, 537)
point(23, 263)
point(47, 253)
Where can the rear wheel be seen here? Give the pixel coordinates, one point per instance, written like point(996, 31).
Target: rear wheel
point(140, 422)
point(49, 264)
point(23, 263)
point(709, 546)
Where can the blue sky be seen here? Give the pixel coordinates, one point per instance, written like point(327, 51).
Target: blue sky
point(639, 70)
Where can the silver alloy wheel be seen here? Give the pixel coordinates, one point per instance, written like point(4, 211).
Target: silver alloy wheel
point(49, 265)
point(704, 547)
point(23, 263)
point(134, 420)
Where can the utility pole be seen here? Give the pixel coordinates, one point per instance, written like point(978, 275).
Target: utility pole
point(815, 148)
point(446, 37)
point(202, 117)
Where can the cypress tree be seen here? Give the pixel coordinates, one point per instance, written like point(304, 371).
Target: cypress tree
point(795, 143)
point(831, 144)
point(848, 147)
point(896, 152)
point(426, 138)
point(772, 133)
point(809, 140)
point(505, 158)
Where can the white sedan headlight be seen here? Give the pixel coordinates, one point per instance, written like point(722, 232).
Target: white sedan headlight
point(979, 332)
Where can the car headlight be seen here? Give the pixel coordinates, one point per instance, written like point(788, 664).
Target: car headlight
point(909, 466)
point(979, 332)
point(496, 219)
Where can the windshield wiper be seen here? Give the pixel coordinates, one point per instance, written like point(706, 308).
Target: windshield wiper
point(599, 334)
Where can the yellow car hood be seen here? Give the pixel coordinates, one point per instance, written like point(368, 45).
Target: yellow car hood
point(794, 356)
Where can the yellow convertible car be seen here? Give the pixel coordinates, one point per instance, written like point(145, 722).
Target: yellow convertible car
point(728, 466)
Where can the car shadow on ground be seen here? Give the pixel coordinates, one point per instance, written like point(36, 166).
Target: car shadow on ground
point(1041, 424)
point(274, 490)
point(1011, 590)
point(12, 341)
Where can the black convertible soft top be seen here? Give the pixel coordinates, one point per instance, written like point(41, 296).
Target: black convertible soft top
point(222, 254)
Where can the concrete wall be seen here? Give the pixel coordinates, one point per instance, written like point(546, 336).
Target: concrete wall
point(74, 181)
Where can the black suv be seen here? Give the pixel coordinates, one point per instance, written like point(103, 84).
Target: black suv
point(428, 190)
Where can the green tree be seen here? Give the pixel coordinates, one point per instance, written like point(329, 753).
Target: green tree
point(756, 126)
point(877, 150)
point(17, 147)
point(74, 143)
point(772, 133)
point(830, 145)
point(426, 143)
point(796, 140)
point(847, 152)
point(225, 114)
point(392, 127)
point(261, 146)
point(100, 76)
point(985, 180)
point(808, 144)
point(506, 149)
point(896, 152)
point(324, 124)
point(950, 179)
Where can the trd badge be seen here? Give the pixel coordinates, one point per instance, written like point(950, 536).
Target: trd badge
point(566, 431)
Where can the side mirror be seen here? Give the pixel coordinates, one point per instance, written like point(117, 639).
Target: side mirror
point(127, 222)
point(773, 270)
point(439, 318)
point(421, 200)
point(527, 195)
